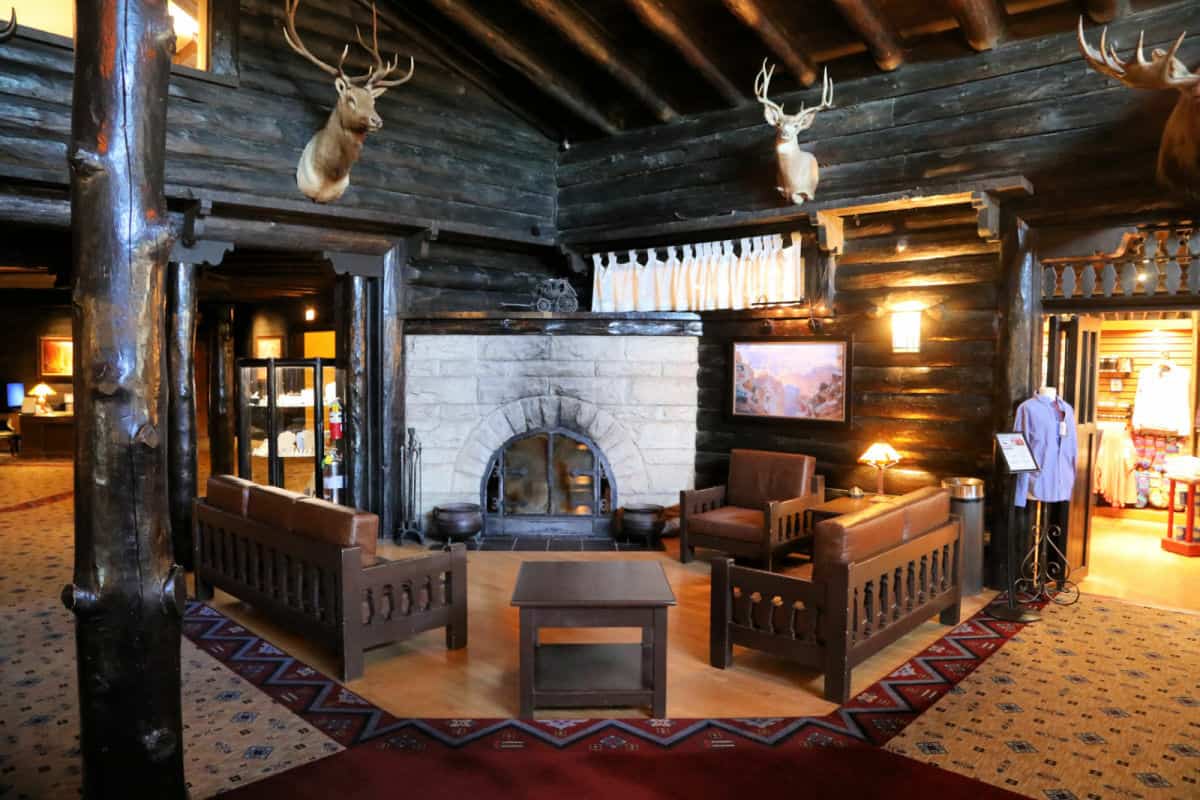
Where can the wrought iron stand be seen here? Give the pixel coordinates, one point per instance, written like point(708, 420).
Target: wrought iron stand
point(410, 489)
point(1045, 572)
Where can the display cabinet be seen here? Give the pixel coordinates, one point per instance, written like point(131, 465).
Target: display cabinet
point(290, 426)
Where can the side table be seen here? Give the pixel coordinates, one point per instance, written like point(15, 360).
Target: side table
point(1187, 545)
point(593, 594)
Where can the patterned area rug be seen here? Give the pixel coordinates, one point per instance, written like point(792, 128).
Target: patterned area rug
point(872, 717)
point(1099, 700)
point(233, 732)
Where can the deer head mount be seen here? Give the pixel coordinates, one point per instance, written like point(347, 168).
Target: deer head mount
point(1179, 151)
point(324, 169)
point(10, 29)
point(798, 169)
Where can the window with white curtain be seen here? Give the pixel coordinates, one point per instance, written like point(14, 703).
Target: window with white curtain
point(731, 274)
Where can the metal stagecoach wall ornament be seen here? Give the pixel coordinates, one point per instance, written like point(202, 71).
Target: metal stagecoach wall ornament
point(555, 294)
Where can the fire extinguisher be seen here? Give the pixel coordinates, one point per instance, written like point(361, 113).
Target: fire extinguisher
point(333, 479)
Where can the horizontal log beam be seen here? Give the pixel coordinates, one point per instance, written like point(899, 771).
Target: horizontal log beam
point(868, 21)
point(660, 19)
point(597, 45)
point(981, 21)
point(562, 89)
point(758, 19)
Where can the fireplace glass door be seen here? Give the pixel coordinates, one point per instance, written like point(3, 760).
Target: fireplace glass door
point(548, 482)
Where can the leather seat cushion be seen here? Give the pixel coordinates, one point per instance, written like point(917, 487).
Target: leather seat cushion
point(340, 525)
point(228, 493)
point(272, 506)
point(730, 522)
point(756, 477)
point(925, 510)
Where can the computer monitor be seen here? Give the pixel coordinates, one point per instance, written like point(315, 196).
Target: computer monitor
point(14, 393)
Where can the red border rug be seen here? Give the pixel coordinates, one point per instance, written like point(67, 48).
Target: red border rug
point(872, 717)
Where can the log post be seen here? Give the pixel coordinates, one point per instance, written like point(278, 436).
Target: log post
point(352, 329)
point(181, 405)
point(392, 303)
point(127, 596)
point(222, 394)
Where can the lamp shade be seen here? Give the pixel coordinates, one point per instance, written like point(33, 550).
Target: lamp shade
point(42, 390)
point(880, 454)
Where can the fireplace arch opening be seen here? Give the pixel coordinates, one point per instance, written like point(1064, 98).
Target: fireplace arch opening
point(548, 481)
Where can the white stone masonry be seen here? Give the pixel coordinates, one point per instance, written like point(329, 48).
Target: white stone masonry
point(634, 396)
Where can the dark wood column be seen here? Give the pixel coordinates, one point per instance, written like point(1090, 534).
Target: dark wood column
point(353, 323)
point(181, 405)
point(222, 393)
point(127, 597)
point(1019, 350)
point(392, 303)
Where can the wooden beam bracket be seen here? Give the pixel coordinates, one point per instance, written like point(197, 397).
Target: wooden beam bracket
point(363, 264)
point(193, 221)
point(987, 207)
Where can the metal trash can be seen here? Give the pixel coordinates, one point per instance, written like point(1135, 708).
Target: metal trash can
point(966, 502)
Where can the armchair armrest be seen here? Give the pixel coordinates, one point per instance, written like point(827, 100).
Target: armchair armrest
point(697, 501)
point(785, 518)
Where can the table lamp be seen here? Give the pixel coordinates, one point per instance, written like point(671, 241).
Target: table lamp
point(880, 455)
point(41, 392)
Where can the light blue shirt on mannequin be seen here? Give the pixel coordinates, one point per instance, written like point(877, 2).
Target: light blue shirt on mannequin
point(1053, 443)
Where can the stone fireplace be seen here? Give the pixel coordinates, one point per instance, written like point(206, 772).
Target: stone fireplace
point(552, 433)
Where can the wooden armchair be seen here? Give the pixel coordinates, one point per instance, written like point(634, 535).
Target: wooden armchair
point(758, 513)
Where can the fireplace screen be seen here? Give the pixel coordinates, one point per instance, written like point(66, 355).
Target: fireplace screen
point(551, 481)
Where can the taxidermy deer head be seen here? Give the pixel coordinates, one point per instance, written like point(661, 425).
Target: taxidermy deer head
point(1179, 151)
point(9, 30)
point(324, 170)
point(798, 169)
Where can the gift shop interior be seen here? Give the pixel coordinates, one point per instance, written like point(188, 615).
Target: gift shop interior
point(1143, 448)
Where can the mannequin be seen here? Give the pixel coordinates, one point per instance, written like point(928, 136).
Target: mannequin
point(1048, 423)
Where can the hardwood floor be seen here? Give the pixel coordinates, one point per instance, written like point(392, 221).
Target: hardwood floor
point(1128, 563)
point(420, 678)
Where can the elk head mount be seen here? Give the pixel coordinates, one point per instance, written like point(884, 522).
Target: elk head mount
point(798, 169)
point(1179, 151)
point(324, 169)
point(9, 29)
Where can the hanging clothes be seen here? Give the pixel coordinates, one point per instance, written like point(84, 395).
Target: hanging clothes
point(1161, 402)
point(1049, 428)
point(1116, 461)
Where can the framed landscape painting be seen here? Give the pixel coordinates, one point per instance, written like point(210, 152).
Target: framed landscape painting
point(791, 380)
point(56, 357)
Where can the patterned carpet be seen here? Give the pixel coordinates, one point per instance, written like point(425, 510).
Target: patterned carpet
point(1099, 700)
point(234, 733)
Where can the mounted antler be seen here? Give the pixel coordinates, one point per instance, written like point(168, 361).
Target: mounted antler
point(798, 169)
point(9, 30)
point(1179, 151)
point(324, 169)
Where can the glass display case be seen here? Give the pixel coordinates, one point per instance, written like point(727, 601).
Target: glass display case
point(290, 424)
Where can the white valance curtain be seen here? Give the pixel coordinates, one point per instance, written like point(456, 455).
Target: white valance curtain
point(700, 277)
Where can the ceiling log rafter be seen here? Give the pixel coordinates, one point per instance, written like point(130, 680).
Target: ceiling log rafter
point(656, 16)
point(597, 45)
point(545, 77)
point(982, 21)
point(754, 16)
point(1105, 11)
point(867, 20)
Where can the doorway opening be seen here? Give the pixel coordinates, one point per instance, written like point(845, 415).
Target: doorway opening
point(1130, 377)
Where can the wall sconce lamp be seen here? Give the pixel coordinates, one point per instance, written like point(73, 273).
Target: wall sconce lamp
point(906, 327)
point(310, 314)
point(881, 456)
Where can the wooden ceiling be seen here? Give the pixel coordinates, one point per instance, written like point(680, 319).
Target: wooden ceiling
point(585, 68)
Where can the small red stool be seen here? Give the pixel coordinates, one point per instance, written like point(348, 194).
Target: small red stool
point(1187, 546)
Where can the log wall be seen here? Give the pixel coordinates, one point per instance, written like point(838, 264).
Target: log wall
point(1029, 107)
point(447, 152)
point(935, 407)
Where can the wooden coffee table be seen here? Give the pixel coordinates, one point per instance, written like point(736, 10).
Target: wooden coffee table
point(593, 594)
